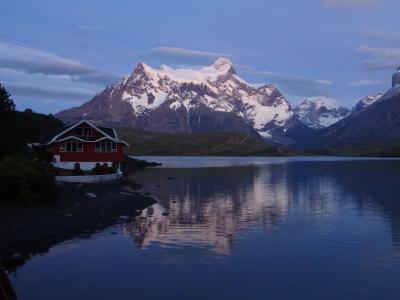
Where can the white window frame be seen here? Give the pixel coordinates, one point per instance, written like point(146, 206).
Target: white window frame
point(114, 147)
point(64, 146)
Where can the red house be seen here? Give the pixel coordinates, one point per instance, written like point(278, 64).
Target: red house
point(86, 144)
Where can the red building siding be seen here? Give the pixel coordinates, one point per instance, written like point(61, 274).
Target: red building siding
point(89, 154)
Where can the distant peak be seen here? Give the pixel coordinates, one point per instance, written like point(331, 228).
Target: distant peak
point(221, 61)
point(143, 67)
point(320, 101)
point(224, 64)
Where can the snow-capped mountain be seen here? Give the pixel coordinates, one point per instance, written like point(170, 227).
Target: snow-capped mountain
point(319, 112)
point(377, 121)
point(186, 100)
point(366, 101)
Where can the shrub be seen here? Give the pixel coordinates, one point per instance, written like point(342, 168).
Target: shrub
point(25, 181)
point(103, 169)
point(77, 171)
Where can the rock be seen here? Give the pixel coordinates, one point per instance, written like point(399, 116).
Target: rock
point(165, 213)
point(127, 189)
point(17, 255)
point(91, 195)
point(136, 186)
point(127, 194)
point(124, 217)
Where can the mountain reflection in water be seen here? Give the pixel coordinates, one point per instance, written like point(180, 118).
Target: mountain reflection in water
point(209, 206)
point(314, 228)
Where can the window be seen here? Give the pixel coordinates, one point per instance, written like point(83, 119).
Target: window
point(88, 131)
point(106, 146)
point(71, 146)
point(78, 131)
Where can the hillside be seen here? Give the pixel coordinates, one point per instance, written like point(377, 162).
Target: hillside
point(211, 143)
point(19, 128)
point(389, 148)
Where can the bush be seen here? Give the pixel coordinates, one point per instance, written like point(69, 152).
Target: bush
point(76, 171)
point(25, 181)
point(103, 169)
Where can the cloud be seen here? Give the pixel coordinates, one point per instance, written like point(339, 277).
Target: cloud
point(382, 35)
point(325, 100)
point(366, 82)
point(382, 58)
point(34, 61)
point(28, 90)
point(351, 3)
point(180, 56)
point(90, 27)
point(295, 85)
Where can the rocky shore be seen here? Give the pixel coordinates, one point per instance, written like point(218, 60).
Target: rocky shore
point(80, 209)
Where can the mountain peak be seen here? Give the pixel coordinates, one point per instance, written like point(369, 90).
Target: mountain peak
point(143, 68)
point(222, 61)
point(366, 101)
point(320, 112)
point(224, 64)
point(396, 78)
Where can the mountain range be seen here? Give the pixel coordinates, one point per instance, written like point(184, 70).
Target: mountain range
point(215, 98)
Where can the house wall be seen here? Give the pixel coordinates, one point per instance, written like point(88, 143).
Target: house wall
point(85, 166)
point(89, 154)
point(89, 178)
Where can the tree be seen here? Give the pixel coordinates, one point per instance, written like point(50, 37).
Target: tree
point(6, 102)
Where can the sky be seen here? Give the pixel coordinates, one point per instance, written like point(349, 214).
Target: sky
point(58, 54)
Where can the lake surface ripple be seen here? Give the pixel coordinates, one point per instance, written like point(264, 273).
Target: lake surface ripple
point(239, 228)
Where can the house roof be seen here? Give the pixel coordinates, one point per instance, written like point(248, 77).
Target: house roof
point(108, 133)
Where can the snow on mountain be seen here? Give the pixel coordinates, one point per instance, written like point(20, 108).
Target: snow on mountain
point(186, 100)
point(319, 112)
point(366, 101)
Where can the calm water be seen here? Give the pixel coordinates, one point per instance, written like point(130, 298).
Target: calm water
point(240, 228)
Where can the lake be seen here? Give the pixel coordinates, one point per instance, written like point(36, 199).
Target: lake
point(239, 228)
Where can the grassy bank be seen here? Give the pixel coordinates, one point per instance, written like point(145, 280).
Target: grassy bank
point(196, 144)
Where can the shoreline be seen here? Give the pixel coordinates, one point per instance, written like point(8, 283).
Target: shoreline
point(80, 209)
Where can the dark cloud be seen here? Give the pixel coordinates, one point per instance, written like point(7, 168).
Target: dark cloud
point(351, 3)
point(383, 36)
point(33, 61)
point(295, 85)
point(86, 27)
point(35, 91)
point(382, 58)
point(181, 56)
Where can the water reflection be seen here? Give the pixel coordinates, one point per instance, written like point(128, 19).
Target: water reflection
point(288, 230)
point(210, 206)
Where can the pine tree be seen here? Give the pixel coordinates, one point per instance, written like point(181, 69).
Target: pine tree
point(6, 102)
